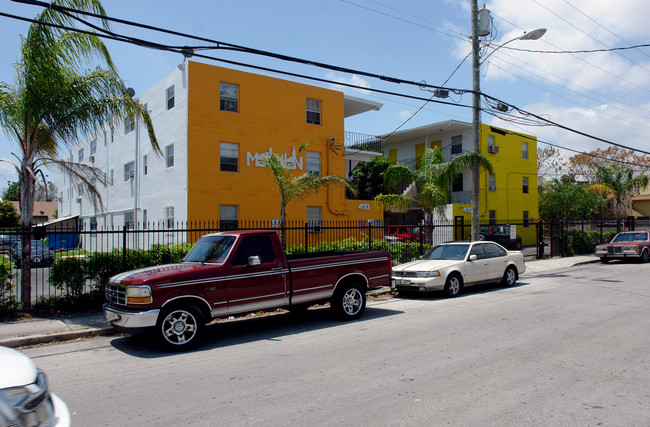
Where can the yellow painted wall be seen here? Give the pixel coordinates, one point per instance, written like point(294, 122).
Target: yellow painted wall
point(508, 200)
point(272, 114)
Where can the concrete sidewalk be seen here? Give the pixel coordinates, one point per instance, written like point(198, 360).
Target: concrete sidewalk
point(45, 330)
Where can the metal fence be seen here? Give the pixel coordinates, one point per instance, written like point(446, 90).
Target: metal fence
point(119, 247)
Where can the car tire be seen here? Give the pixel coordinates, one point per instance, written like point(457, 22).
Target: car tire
point(180, 327)
point(453, 285)
point(604, 260)
point(518, 245)
point(509, 277)
point(481, 236)
point(644, 256)
point(348, 301)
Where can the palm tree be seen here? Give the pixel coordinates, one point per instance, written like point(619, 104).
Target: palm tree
point(431, 182)
point(52, 104)
point(297, 187)
point(619, 182)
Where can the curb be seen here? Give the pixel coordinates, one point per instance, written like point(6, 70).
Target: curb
point(57, 336)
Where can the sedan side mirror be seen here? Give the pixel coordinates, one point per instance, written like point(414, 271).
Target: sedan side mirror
point(472, 257)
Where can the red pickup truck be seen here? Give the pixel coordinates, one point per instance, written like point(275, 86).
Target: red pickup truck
point(239, 272)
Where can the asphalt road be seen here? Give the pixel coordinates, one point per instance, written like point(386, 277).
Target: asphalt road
point(570, 348)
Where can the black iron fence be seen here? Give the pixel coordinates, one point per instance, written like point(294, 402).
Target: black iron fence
point(84, 259)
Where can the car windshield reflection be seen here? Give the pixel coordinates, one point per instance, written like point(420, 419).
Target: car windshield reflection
point(213, 249)
point(447, 252)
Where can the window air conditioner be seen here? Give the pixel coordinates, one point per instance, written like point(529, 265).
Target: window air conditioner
point(492, 188)
point(493, 149)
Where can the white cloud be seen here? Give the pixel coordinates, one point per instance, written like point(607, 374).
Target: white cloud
point(353, 80)
point(404, 115)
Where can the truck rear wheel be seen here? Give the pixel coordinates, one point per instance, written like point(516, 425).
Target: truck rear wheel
point(349, 301)
point(180, 327)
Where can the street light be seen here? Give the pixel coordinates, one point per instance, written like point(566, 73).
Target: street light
point(476, 107)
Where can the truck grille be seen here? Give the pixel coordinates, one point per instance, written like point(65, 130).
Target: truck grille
point(116, 293)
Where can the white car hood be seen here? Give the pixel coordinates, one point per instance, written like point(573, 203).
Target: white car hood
point(426, 265)
point(16, 369)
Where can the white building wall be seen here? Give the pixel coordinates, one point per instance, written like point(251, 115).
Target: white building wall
point(161, 187)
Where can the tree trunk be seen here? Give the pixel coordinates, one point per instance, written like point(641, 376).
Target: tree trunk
point(283, 237)
point(26, 210)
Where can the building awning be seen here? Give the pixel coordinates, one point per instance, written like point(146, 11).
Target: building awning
point(353, 106)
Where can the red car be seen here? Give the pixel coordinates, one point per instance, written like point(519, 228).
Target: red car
point(407, 233)
point(626, 245)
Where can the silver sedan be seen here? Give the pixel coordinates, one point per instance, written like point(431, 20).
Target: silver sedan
point(451, 266)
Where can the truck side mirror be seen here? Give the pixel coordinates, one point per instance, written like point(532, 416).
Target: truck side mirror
point(254, 261)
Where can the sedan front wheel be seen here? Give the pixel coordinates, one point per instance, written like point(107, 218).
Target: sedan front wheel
point(453, 285)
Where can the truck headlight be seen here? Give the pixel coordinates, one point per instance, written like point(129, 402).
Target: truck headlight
point(138, 294)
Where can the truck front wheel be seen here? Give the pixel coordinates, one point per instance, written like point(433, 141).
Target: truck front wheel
point(349, 301)
point(180, 327)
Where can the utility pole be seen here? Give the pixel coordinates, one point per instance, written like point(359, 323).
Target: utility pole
point(476, 122)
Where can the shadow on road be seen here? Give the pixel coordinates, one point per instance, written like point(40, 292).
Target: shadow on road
point(270, 327)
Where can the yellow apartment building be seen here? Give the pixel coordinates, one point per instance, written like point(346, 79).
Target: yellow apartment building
point(509, 195)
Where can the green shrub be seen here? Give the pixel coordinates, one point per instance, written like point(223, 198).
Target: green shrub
point(69, 274)
point(8, 301)
point(582, 242)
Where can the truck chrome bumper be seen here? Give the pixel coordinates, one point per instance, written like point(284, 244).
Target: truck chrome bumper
point(130, 320)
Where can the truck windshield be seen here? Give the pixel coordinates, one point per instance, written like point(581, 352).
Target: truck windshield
point(211, 249)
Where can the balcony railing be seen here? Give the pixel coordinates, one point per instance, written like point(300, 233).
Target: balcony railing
point(362, 141)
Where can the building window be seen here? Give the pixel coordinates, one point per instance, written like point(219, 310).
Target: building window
point(313, 111)
point(144, 219)
point(227, 217)
point(129, 221)
point(129, 171)
point(169, 216)
point(105, 138)
point(129, 125)
point(524, 184)
point(490, 141)
point(112, 136)
point(93, 223)
point(229, 154)
point(170, 97)
point(81, 155)
point(457, 144)
point(492, 217)
point(169, 155)
point(314, 219)
point(93, 147)
point(526, 219)
point(524, 150)
point(313, 163)
point(111, 175)
point(492, 186)
point(228, 97)
point(145, 166)
point(457, 184)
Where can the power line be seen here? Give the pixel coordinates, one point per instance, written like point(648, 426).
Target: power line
point(140, 42)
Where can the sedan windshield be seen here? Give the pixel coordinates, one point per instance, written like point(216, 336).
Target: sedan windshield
point(631, 237)
point(211, 249)
point(449, 252)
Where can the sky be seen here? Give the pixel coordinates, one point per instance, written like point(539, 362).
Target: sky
point(605, 94)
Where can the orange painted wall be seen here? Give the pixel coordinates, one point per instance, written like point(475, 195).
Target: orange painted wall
point(272, 114)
